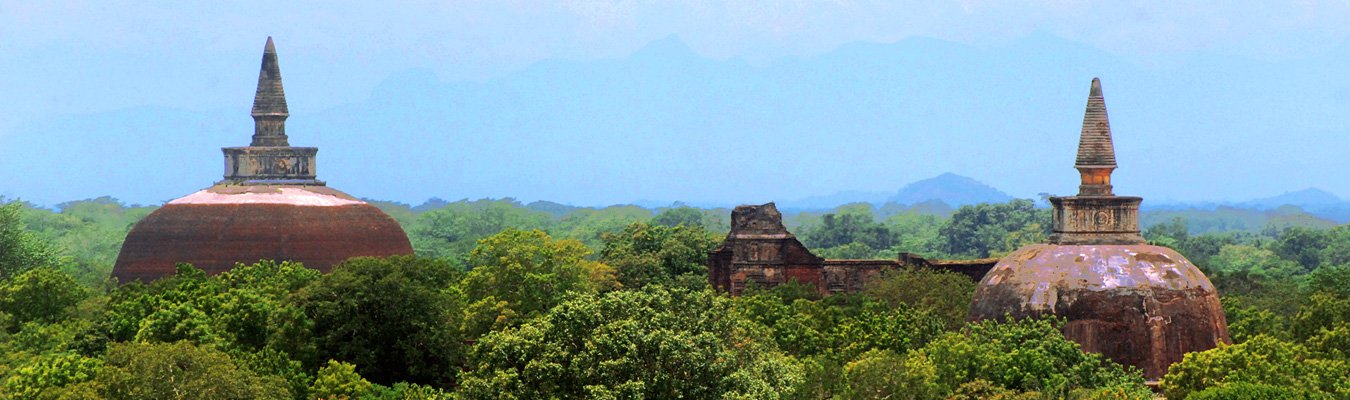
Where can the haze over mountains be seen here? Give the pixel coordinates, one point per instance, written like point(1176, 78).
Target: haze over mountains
point(666, 123)
point(949, 188)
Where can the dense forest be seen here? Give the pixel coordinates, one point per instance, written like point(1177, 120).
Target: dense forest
point(529, 301)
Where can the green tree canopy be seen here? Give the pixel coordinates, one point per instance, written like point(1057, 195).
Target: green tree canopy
point(982, 230)
point(451, 232)
point(850, 225)
point(40, 294)
point(1026, 355)
point(530, 272)
point(648, 343)
point(393, 318)
point(20, 250)
point(1262, 360)
point(645, 254)
point(173, 371)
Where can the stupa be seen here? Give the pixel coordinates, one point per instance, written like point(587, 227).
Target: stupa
point(1138, 304)
point(269, 206)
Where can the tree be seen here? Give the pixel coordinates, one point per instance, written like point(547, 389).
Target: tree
point(644, 254)
point(1321, 311)
point(683, 215)
point(841, 326)
point(1172, 231)
point(1250, 391)
point(1246, 321)
point(851, 251)
point(451, 232)
point(252, 297)
point(982, 230)
point(915, 233)
point(1262, 360)
point(648, 343)
point(20, 250)
point(531, 272)
point(883, 374)
point(169, 309)
point(40, 294)
point(1026, 355)
point(47, 374)
point(394, 318)
point(1337, 247)
point(89, 233)
point(339, 380)
point(152, 371)
point(1334, 279)
point(1247, 269)
point(1199, 249)
point(942, 294)
point(850, 225)
point(1302, 245)
point(589, 226)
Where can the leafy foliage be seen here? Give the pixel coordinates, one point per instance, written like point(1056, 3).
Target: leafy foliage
point(551, 300)
point(387, 316)
point(339, 380)
point(855, 225)
point(176, 371)
point(40, 294)
point(645, 254)
point(19, 249)
point(48, 373)
point(452, 231)
point(983, 230)
point(1262, 360)
point(530, 272)
point(942, 294)
point(649, 343)
point(1027, 355)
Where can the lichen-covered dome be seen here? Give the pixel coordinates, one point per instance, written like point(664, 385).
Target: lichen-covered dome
point(1139, 305)
point(270, 206)
point(216, 228)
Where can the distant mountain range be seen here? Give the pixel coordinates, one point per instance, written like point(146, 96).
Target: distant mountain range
point(952, 189)
point(1309, 198)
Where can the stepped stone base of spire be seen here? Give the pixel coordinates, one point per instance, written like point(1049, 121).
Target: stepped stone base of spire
point(1096, 220)
point(271, 166)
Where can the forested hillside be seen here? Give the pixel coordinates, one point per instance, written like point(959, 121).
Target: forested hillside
point(543, 300)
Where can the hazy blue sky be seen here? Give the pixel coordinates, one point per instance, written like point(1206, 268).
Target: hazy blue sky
point(65, 60)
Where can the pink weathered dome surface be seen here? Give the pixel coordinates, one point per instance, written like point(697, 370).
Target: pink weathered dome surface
point(216, 228)
point(1137, 304)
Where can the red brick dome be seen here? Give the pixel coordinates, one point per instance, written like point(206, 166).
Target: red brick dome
point(216, 228)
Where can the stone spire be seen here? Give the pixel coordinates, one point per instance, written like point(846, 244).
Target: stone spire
point(1096, 215)
point(269, 103)
point(270, 159)
point(1096, 155)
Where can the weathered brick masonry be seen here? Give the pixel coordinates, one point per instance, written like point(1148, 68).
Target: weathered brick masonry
point(759, 250)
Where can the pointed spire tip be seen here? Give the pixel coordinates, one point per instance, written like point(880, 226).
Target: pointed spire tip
point(270, 48)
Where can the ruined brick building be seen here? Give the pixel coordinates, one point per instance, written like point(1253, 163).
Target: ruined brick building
point(1138, 304)
point(270, 206)
point(760, 251)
